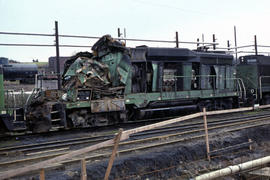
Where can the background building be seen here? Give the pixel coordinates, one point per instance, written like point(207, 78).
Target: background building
point(52, 64)
point(3, 60)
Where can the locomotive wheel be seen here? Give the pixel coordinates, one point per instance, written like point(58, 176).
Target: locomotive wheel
point(224, 104)
point(130, 113)
point(209, 106)
point(84, 118)
point(41, 126)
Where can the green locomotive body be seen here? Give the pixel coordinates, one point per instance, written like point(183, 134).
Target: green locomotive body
point(254, 70)
point(116, 84)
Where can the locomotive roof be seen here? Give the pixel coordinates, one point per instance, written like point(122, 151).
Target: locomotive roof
point(144, 53)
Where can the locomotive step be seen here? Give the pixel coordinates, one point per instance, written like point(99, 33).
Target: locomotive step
point(56, 120)
point(53, 112)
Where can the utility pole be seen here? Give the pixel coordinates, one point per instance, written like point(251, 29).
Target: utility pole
point(118, 32)
point(235, 43)
point(255, 44)
point(228, 45)
point(214, 41)
point(125, 36)
point(203, 40)
point(57, 56)
point(176, 39)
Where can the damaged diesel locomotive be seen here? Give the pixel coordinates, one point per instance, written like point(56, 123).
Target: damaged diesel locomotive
point(114, 84)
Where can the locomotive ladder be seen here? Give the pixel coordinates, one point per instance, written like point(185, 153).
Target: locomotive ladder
point(242, 90)
point(58, 116)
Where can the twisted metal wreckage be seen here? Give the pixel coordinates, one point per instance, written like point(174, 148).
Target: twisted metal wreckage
point(95, 77)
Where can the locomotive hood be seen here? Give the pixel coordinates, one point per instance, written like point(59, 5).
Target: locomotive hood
point(106, 68)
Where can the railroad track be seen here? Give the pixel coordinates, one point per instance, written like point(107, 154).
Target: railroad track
point(127, 125)
point(137, 142)
point(96, 139)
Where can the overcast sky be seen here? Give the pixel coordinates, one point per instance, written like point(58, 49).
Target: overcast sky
point(144, 19)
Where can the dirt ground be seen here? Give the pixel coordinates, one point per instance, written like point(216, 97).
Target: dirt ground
point(181, 161)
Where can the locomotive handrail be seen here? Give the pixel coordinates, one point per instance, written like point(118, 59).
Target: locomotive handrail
point(260, 84)
point(240, 89)
point(202, 76)
point(11, 109)
point(192, 77)
point(33, 93)
point(244, 88)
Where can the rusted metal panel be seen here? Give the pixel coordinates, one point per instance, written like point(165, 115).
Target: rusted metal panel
point(52, 93)
point(107, 105)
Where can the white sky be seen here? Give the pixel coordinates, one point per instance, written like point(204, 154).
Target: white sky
point(143, 19)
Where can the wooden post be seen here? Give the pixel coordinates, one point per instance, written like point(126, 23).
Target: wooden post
point(83, 170)
point(116, 143)
point(42, 174)
point(206, 134)
point(250, 147)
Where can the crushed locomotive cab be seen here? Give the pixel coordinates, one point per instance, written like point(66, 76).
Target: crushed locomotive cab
point(97, 79)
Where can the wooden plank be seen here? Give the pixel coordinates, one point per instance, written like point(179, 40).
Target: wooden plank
point(229, 111)
point(160, 124)
point(264, 106)
point(83, 170)
point(40, 165)
point(206, 134)
point(116, 143)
